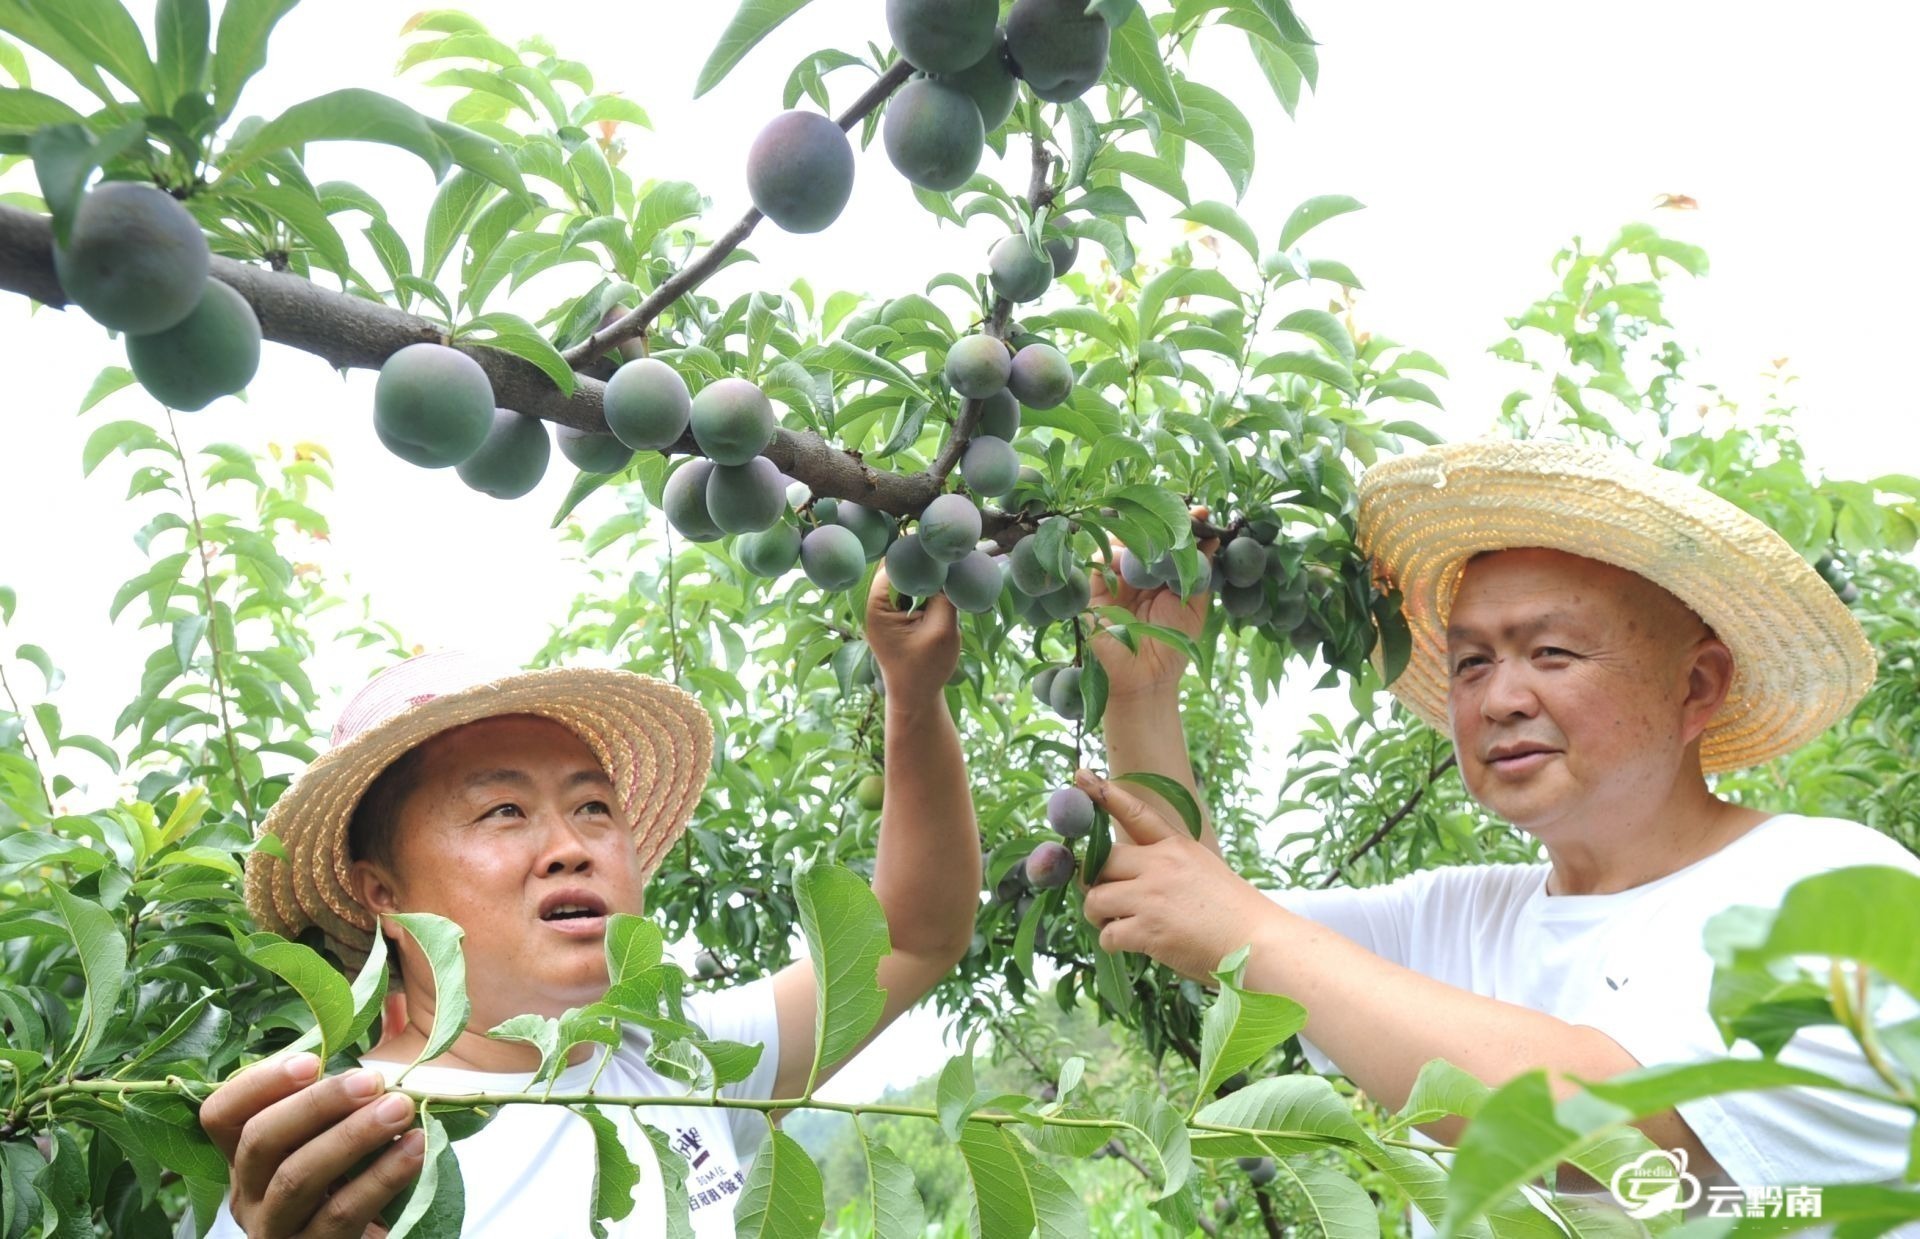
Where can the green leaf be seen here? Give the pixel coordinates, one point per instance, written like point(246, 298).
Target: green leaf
point(1866, 913)
point(673, 1180)
point(512, 334)
point(754, 21)
point(107, 382)
point(104, 32)
point(325, 990)
point(437, 1205)
point(23, 111)
point(1174, 793)
point(1333, 1204)
point(846, 934)
point(614, 1174)
point(351, 115)
point(1402, 388)
point(1325, 328)
point(1134, 58)
point(1225, 220)
point(634, 946)
point(1179, 283)
point(1276, 1116)
point(1442, 1089)
point(1015, 1195)
point(784, 1195)
point(440, 939)
point(1211, 122)
point(1316, 366)
point(22, 18)
point(103, 965)
point(893, 1202)
point(9, 599)
point(182, 30)
point(1314, 212)
point(843, 358)
point(240, 48)
point(64, 156)
point(1241, 1026)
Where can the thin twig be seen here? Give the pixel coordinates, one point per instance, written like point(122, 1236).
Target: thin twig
point(691, 276)
point(1393, 819)
point(213, 623)
point(46, 791)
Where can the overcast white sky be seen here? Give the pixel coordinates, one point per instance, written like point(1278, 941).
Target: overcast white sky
point(1480, 136)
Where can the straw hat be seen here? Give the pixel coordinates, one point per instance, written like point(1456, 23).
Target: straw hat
point(1801, 660)
point(653, 739)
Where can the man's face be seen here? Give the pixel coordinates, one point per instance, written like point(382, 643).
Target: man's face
point(1568, 689)
point(513, 832)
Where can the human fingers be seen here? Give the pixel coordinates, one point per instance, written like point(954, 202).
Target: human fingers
point(1125, 864)
point(1142, 823)
point(224, 1114)
point(1109, 901)
point(350, 1211)
point(290, 1151)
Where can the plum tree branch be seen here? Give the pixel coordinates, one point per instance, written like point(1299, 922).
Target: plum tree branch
point(1393, 819)
point(695, 273)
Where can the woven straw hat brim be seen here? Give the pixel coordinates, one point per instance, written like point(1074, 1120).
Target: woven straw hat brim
point(1801, 660)
point(654, 740)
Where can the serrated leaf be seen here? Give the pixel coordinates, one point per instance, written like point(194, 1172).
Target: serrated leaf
point(1275, 1116)
point(784, 1197)
point(754, 21)
point(324, 990)
point(893, 1202)
point(1314, 212)
point(846, 933)
point(512, 334)
point(436, 1207)
point(1332, 1204)
point(1213, 123)
point(1241, 1026)
point(351, 115)
point(102, 949)
point(1226, 221)
point(673, 1182)
point(439, 938)
point(1134, 58)
point(614, 1174)
point(1174, 793)
point(1015, 1195)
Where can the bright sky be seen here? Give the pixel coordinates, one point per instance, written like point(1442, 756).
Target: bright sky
point(1481, 138)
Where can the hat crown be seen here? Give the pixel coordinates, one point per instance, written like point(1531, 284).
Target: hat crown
point(413, 683)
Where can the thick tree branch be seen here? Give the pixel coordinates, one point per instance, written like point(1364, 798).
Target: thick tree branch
point(691, 276)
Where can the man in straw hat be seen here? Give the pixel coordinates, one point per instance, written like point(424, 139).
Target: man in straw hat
point(1598, 637)
point(528, 807)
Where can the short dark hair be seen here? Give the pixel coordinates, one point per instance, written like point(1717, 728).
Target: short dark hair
point(370, 831)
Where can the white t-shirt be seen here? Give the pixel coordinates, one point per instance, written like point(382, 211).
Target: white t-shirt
point(529, 1173)
point(1633, 965)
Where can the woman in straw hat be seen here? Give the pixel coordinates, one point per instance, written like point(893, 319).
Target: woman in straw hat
point(528, 807)
point(1597, 636)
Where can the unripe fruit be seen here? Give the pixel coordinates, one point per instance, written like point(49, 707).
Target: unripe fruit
point(732, 421)
point(432, 405)
point(974, 583)
point(942, 36)
point(1071, 598)
point(1136, 572)
point(1049, 866)
point(989, 83)
point(1261, 1173)
point(978, 366)
point(1043, 685)
point(871, 792)
point(746, 498)
point(135, 259)
point(1061, 252)
point(1030, 576)
point(949, 527)
point(912, 571)
point(832, 557)
point(647, 405)
point(627, 350)
point(1018, 271)
point(990, 466)
point(771, 552)
point(685, 501)
point(1245, 602)
point(212, 352)
point(591, 452)
point(1070, 812)
point(1064, 695)
point(933, 134)
point(511, 460)
point(999, 413)
point(874, 529)
point(1030, 610)
point(800, 171)
point(1041, 376)
point(1057, 47)
point(706, 965)
point(1243, 562)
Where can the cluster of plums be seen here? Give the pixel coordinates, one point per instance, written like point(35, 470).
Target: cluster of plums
point(137, 262)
